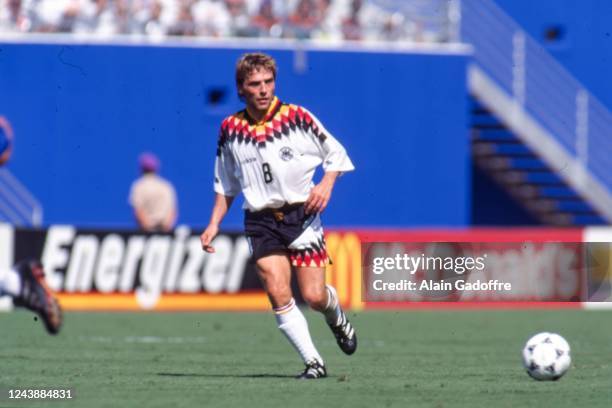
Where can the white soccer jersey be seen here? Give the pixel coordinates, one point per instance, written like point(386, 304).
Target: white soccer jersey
point(272, 162)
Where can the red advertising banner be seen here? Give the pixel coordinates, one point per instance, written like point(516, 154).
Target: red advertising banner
point(474, 271)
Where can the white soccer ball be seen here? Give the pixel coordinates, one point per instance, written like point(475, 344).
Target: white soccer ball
point(546, 356)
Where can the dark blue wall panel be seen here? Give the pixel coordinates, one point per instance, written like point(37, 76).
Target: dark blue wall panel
point(492, 205)
point(83, 113)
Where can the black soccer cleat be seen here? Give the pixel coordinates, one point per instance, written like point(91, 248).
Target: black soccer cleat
point(36, 295)
point(314, 369)
point(345, 334)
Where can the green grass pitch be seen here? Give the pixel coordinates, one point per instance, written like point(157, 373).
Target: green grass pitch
point(405, 359)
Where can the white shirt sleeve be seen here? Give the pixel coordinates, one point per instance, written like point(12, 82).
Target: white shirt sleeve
point(226, 182)
point(333, 154)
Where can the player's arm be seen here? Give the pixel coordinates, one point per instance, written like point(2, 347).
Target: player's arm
point(220, 208)
point(321, 193)
point(226, 186)
point(335, 162)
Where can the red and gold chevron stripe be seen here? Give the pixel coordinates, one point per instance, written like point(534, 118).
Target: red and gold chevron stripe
point(315, 255)
point(287, 118)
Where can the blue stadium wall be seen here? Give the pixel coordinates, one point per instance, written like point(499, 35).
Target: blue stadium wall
point(83, 113)
point(583, 43)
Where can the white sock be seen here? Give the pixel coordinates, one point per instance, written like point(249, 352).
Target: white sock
point(293, 324)
point(332, 311)
point(10, 282)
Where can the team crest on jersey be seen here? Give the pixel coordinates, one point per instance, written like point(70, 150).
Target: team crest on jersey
point(286, 153)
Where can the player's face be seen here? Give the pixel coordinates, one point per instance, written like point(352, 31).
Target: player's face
point(258, 90)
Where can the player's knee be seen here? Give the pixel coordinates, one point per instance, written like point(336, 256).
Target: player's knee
point(278, 291)
point(276, 281)
point(316, 298)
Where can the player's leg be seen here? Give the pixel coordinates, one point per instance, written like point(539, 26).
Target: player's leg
point(309, 256)
point(25, 283)
point(275, 274)
point(324, 299)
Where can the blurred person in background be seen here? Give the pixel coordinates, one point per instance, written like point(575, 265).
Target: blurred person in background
point(365, 21)
point(95, 16)
point(152, 197)
point(89, 14)
point(107, 17)
point(394, 28)
point(351, 25)
point(14, 16)
point(282, 8)
point(303, 20)
point(114, 17)
point(185, 24)
point(212, 18)
point(124, 22)
point(57, 16)
point(25, 282)
point(148, 18)
point(323, 14)
point(265, 21)
point(239, 19)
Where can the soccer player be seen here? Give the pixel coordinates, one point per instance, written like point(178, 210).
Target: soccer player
point(25, 282)
point(269, 152)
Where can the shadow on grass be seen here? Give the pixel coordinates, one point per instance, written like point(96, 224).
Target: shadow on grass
point(225, 375)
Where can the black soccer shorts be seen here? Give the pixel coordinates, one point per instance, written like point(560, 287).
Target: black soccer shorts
point(288, 230)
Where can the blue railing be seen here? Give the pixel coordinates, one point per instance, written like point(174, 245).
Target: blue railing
point(17, 205)
point(544, 88)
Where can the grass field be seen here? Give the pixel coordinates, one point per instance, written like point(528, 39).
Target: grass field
point(405, 359)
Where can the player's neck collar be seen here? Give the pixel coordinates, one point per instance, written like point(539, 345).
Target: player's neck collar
point(272, 110)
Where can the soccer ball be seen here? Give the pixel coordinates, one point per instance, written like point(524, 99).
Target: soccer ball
point(546, 356)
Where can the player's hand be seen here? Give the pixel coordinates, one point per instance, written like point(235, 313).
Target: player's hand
point(319, 197)
point(207, 236)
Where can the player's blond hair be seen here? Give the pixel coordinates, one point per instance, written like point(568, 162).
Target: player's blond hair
point(252, 62)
